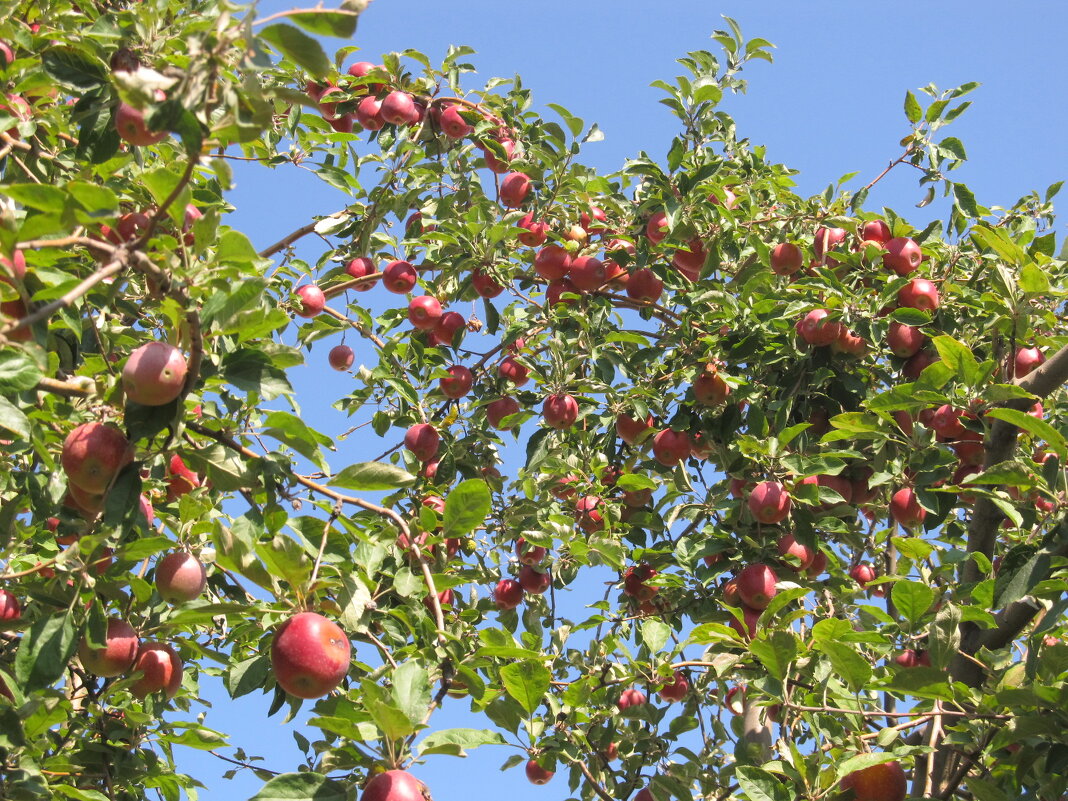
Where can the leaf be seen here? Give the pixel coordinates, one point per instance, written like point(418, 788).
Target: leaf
point(655, 634)
point(13, 419)
point(527, 682)
point(372, 476)
point(861, 761)
point(966, 200)
point(302, 787)
point(411, 691)
point(391, 721)
point(943, 637)
point(298, 435)
point(1039, 429)
point(466, 507)
point(850, 666)
point(920, 682)
point(760, 785)
point(45, 650)
point(1016, 580)
point(912, 599)
point(298, 47)
point(454, 742)
point(74, 69)
point(776, 652)
point(913, 112)
point(958, 357)
point(42, 197)
point(248, 675)
point(326, 22)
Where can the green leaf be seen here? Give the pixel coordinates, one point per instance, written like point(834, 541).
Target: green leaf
point(913, 112)
point(161, 182)
point(411, 691)
point(18, 372)
point(454, 742)
point(958, 357)
point(861, 761)
point(42, 197)
point(298, 47)
point(920, 682)
point(298, 435)
point(1039, 429)
point(848, 664)
point(467, 507)
point(655, 634)
point(1016, 580)
point(74, 69)
point(391, 720)
point(1033, 279)
point(302, 787)
point(943, 637)
point(760, 785)
point(776, 652)
point(45, 650)
point(78, 794)
point(527, 682)
point(326, 22)
point(912, 599)
point(248, 675)
point(372, 476)
point(634, 482)
point(966, 200)
point(96, 200)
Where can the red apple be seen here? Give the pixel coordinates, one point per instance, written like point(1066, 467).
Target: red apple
point(919, 293)
point(885, 782)
point(180, 577)
point(533, 233)
point(537, 774)
point(93, 454)
point(789, 546)
point(361, 69)
point(587, 273)
point(514, 189)
point(160, 668)
point(786, 259)
point(756, 585)
point(312, 300)
point(341, 357)
point(309, 655)
point(424, 312)
point(494, 164)
point(709, 389)
point(875, 231)
point(399, 277)
point(863, 574)
point(395, 785)
point(510, 369)
point(552, 262)
point(458, 383)
point(559, 411)
point(446, 329)
point(13, 268)
point(734, 700)
point(423, 441)
point(369, 113)
point(1027, 359)
point(9, 606)
point(485, 284)
point(902, 255)
point(132, 127)
point(181, 480)
point(588, 515)
point(508, 594)
point(498, 410)
point(826, 240)
point(529, 554)
point(398, 108)
point(453, 124)
point(630, 698)
point(634, 582)
point(644, 285)
point(534, 581)
point(946, 422)
point(905, 340)
point(689, 262)
point(818, 329)
point(819, 564)
point(747, 627)
point(671, 447)
point(676, 689)
point(361, 267)
point(117, 655)
point(905, 508)
point(918, 363)
point(154, 374)
point(632, 431)
point(656, 228)
point(769, 502)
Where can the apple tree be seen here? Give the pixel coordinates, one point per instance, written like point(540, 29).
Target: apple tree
point(685, 485)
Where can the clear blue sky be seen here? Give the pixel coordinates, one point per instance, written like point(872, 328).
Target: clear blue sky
point(830, 105)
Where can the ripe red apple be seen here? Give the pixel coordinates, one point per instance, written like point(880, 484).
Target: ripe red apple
point(328, 101)
point(424, 312)
point(9, 606)
point(734, 700)
point(341, 357)
point(588, 274)
point(786, 259)
point(93, 454)
point(689, 262)
point(533, 580)
point(399, 277)
point(161, 669)
point(756, 585)
point(508, 594)
point(369, 113)
point(423, 441)
point(361, 267)
point(537, 774)
point(905, 340)
point(818, 329)
point(630, 698)
point(644, 285)
point(180, 577)
point(533, 233)
point(644, 795)
point(1027, 359)
point(453, 124)
point(819, 564)
point(769, 502)
point(902, 255)
point(671, 447)
point(312, 300)
point(132, 127)
point(458, 383)
point(875, 231)
point(552, 262)
point(514, 189)
point(446, 329)
point(789, 546)
point(863, 574)
point(747, 627)
point(361, 69)
point(117, 655)
point(634, 582)
point(398, 108)
point(510, 369)
point(588, 515)
point(7, 55)
point(13, 268)
point(559, 411)
point(826, 240)
point(656, 229)
point(395, 785)
point(181, 480)
point(192, 214)
point(885, 782)
point(709, 389)
point(919, 293)
point(598, 214)
point(910, 658)
point(309, 655)
point(485, 284)
point(918, 363)
point(154, 374)
point(676, 689)
point(905, 508)
point(946, 421)
point(529, 554)
point(494, 164)
point(632, 431)
point(498, 410)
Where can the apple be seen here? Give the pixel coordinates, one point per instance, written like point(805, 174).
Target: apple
point(919, 293)
point(93, 454)
point(498, 410)
point(494, 164)
point(446, 329)
point(946, 422)
point(630, 698)
point(117, 655)
point(508, 594)
point(485, 284)
point(154, 374)
point(676, 689)
point(636, 499)
point(826, 240)
point(634, 582)
point(849, 343)
point(644, 795)
point(747, 627)
point(644, 285)
point(918, 363)
point(312, 300)
point(756, 585)
point(452, 123)
point(132, 127)
point(362, 267)
point(458, 383)
point(786, 258)
point(533, 233)
point(656, 229)
point(769, 502)
point(15, 267)
point(88, 504)
point(902, 255)
point(128, 227)
point(689, 262)
point(9, 606)
point(309, 655)
point(399, 277)
point(818, 329)
point(905, 340)
point(424, 312)
point(611, 752)
point(395, 785)
point(181, 480)
point(734, 700)
point(552, 262)
point(398, 108)
point(327, 102)
point(1027, 359)
point(361, 69)
point(341, 357)
point(559, 411)
point(875, 231)
point(537, 774)
point(533, 580)
point(910, 658)
point(588, 515)
point(160, 668)
point(633, 431)
point(529, 554)
point(596, 213)
point(709, 389)
point(423, 441)
point(789, 546)
point(588, 274)
point(192, 214)
point(819, 564)
point(513, 371)
point(180, 577)
point(514, 189)
point(863, 574)
point(884, 782)
point(7, 55)
point(671, 447)
point(905, 508)
point(369, 113)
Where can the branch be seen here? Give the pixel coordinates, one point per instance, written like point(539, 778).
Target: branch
point(303, 231)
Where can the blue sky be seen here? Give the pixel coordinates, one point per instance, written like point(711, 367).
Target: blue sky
point(830, 105)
